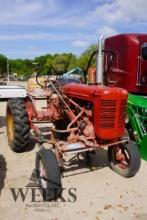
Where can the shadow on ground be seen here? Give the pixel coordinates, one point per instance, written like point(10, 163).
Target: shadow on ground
point(97, 161)
point(2, 121)
point(3, 170)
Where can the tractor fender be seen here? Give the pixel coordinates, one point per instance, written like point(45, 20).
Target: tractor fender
point(30, 107)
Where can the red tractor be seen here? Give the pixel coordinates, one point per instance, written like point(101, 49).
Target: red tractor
point(82, 118)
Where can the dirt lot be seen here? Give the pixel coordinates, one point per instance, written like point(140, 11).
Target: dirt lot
point(97, 195)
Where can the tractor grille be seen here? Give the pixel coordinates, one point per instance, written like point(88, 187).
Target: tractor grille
point(107, 113)
point(122, 113)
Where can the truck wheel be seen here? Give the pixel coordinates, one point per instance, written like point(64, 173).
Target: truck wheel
point(48, 174)
point(124, 159)
point(17, 125)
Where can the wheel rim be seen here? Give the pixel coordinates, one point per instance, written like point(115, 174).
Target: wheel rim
point(121, 157)
point(43, 174)
point(10, 126)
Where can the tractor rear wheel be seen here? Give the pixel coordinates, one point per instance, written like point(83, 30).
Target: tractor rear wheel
point(17, 125)
point(124, 159)
point(48, 174)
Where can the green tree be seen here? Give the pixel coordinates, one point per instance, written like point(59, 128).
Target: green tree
point(60, 63)
point(47, 64)
point(3, 65)
point(73, 62)
point(64, 62)
point(84, 58)
point(44, 66)
point(23, 68)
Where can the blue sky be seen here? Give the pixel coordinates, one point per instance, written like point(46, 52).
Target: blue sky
point(30, 28)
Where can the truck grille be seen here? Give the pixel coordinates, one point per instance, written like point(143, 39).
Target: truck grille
point(107, 113)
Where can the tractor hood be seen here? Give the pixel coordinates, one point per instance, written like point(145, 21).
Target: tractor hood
point(87, 92)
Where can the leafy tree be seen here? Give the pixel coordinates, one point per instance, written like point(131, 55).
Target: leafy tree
point(43, 64)
point(3, 65)
point(73, 62)
point(21, 67)
point(84, 58)
point(60, 63)
point(47, 64)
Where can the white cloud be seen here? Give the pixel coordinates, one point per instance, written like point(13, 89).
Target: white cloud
point(51, 37)
point(26, 12)
point(33, 36)
point(80, 43)
point(52, 13)
point(53, 21)
point(106, 31)
point(26, 54)
point(121, 11)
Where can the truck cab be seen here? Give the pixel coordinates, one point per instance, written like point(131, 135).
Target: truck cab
point(129, 69)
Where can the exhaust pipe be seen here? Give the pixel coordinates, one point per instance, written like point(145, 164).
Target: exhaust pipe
point(99, 62)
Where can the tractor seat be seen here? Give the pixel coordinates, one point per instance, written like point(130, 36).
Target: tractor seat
point(38, 92)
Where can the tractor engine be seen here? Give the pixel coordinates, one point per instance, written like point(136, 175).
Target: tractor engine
point(102, 111)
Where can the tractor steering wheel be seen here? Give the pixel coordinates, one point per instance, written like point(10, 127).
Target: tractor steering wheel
point(43, 84)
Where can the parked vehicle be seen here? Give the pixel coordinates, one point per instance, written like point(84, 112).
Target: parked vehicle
point(7, 92)
point(129, 71)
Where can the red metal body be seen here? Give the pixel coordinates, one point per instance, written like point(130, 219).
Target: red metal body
point(81, 118)
point(108, 108)
point(129, 69)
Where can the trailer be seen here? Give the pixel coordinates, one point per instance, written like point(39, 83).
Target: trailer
point(7, 92)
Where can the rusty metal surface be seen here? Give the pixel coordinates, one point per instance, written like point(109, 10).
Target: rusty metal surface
point(38, 92)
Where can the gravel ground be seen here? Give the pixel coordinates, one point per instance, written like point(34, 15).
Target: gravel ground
point(98, 195)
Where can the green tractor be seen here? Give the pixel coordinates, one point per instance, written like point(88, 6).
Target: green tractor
point(137, 122)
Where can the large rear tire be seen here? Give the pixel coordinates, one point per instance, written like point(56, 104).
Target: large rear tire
point(17, 125)
point(48, 174)
point(124, 159)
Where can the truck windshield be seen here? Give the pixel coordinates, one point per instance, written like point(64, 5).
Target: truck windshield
point(144, 51)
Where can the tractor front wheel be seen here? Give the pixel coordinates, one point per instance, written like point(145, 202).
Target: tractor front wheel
point(48, 174)
point(124, 159)
point(17, 125)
